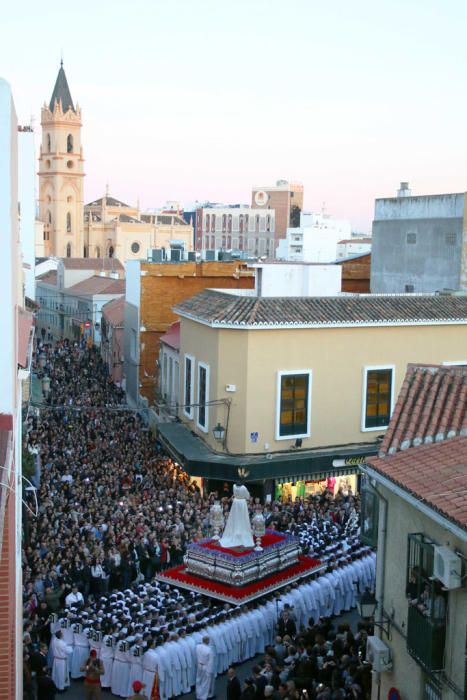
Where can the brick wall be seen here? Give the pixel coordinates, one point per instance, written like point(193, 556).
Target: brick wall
point(356, 275)
point(164, 286)
point(8, 690)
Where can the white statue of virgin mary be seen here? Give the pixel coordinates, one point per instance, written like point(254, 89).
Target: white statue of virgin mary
point(237, 532)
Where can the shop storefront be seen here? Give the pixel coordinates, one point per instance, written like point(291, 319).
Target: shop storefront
point(279, 475)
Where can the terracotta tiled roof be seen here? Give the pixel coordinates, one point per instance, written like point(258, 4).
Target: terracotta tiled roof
point(172, 337)
point(92, 264)
point(98, 285)
point(48, 277)
point(114, 311)
point(431, 407)
point(435, 474)
point(223, 309)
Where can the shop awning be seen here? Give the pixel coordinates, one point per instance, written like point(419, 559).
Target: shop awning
point(198, 459)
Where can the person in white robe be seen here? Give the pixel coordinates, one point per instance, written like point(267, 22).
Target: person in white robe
point(60, 671)
point(237, 531)
point(339, 593)
point(165, 672)
point(80, 651)
point(236, 639)
point(175, 665)
point(136, 664)
point(204, 670)
point(150, 667)
point(120, 669)
point(187, 663)
point(107, 658)
point(192, 664)
point(67, 636)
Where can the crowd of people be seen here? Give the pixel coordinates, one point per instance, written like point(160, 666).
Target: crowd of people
point(114, 511)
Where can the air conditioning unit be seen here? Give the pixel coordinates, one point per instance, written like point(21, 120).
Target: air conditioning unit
point(447, 567)
point(378, 654)
point(156, 254)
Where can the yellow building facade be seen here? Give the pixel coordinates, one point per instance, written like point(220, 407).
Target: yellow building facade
point(304, 383)
point(115, 229)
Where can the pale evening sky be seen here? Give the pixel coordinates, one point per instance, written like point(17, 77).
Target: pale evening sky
point(201, 99)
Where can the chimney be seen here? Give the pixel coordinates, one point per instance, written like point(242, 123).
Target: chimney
point(404, 190)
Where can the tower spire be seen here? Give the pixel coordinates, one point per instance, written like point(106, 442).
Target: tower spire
point(61, 92)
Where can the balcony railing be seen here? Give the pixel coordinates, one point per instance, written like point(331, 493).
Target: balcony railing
point(425, 640)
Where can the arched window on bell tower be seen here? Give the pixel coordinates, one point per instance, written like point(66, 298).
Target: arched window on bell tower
point(49, 217)
point(111, 252)
point(68, 222)
point(69, 143)
point(68, 250)
point(49, 144)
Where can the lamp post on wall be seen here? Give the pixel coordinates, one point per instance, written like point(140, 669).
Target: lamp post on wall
point(219, 433)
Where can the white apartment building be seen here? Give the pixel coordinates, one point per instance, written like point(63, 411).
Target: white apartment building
point(315, 240)
point(349, 247)
point(27, 205)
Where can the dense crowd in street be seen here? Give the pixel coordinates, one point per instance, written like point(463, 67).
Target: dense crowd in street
point(114, 511)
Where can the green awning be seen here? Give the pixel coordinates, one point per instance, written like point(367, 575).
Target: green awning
point(198, 459)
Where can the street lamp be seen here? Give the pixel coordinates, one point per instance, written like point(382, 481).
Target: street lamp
point(366, 605)
point(219, 432)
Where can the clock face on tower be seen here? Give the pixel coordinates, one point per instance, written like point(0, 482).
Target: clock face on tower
point(261, 198)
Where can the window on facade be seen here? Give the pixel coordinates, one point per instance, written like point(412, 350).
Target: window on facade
point(207, 222)
point(203, 390)
point(451, 238)
point(68, 223)
point(69, 143)
point(85, 251)
point(49, 144)
point(411, 238)
point(98, 252)
point(213, 222)
point(224, 222)
point(294, 409)
point(378, 394)
point(49, 217)
point(188, 388)
point(135, 247)
point(409, 288)
point(111, 252)
point(68, 250)
point(427, 602)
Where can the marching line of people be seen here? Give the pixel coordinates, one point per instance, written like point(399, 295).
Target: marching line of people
point(156, 630)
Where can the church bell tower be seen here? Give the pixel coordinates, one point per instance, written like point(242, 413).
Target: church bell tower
point(61, 174)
